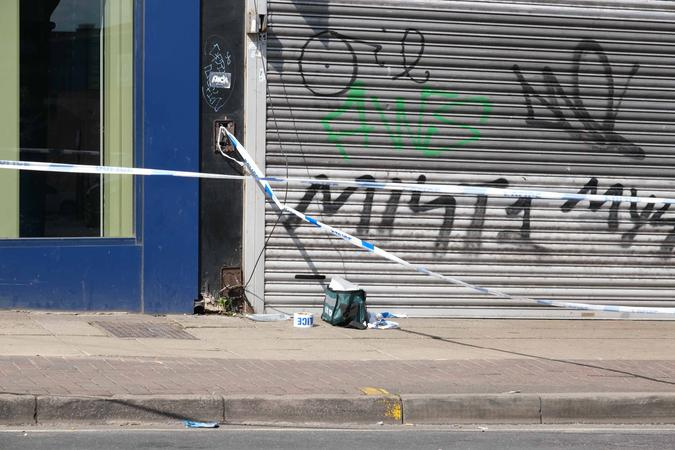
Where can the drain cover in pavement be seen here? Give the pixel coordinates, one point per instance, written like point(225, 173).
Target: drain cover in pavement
point(143, 330)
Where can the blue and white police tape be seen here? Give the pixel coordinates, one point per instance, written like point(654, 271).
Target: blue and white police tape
point(422, 188)
point(264, 184)
point(108, 170)
point(457, 189)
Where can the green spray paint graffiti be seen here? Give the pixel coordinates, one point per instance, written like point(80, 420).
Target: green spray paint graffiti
point(434, 114)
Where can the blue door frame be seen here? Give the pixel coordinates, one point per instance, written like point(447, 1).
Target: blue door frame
point(157, 271)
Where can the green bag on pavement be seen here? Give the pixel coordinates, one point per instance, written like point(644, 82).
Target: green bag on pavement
point(345, 308)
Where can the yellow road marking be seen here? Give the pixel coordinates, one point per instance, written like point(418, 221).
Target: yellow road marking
point(374, 391)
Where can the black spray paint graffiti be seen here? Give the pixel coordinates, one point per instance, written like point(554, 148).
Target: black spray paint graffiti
point(408, 66)
point(579, 122)
point(639, 217)
point(445, 202)
point(216, 82)
point(330, 206)
point(328, 41)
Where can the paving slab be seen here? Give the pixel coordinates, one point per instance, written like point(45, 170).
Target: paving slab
point(21, 324)
point(48, 345)
point(542, 329)
point(59, 325)
point(626, 348)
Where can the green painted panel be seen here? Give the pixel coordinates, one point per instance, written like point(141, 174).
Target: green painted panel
point(118, 190)
point(9, 117)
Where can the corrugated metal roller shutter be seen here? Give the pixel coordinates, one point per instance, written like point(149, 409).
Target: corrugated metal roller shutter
point(564, 96)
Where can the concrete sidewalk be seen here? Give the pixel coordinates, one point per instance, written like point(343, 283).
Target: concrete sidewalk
point(58, 367)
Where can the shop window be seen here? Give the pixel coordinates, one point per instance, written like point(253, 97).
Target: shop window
point(66, 90)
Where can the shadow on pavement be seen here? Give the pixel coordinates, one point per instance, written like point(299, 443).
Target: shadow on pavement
point(562, 361)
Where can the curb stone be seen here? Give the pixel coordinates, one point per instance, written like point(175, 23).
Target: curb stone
point(472, 408)
point(129, 408)
point(654, 408)
point(337, 409)
point(601, 408)
point(17, 409)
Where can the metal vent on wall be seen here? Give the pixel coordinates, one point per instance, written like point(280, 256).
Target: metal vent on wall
point(567, 96)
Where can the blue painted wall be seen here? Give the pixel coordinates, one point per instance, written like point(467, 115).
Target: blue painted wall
point(170, 140)
point(158, 270)
point(78, 275)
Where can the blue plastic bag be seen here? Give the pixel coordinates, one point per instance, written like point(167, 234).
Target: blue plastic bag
point(193, 424)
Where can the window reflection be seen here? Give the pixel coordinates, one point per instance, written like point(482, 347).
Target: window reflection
point(60, 115)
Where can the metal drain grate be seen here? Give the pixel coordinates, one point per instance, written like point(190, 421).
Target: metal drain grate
point(143, 330)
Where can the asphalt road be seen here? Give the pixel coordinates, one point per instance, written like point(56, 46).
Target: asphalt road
point(381, 438)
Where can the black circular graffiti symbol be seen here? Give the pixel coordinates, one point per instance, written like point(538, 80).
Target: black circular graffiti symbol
point(327, 91)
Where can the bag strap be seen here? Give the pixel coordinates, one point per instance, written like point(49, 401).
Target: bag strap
point(358, 325)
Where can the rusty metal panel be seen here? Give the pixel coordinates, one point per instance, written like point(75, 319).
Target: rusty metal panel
point(232, 288)
point(571, 96)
